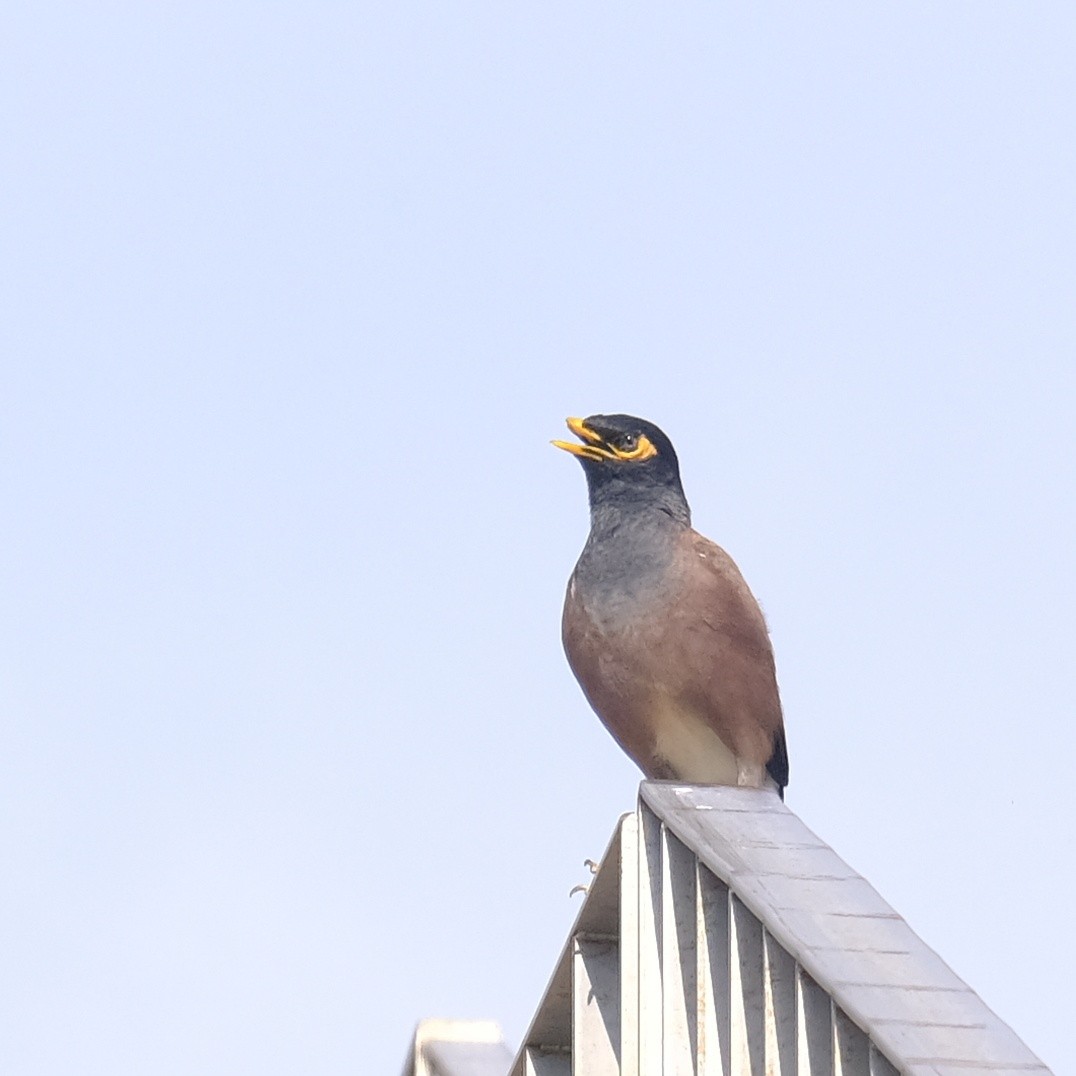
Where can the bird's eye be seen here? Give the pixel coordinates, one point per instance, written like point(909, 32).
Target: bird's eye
point(633, 446)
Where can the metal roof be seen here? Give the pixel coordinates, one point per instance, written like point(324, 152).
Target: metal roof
point(720, 935)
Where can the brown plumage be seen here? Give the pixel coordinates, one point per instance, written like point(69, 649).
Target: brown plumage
point(659, 627)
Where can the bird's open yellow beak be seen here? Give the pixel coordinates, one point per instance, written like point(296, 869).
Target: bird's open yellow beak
point(592, 449)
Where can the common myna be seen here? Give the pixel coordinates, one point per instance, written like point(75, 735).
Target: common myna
point(661, 631)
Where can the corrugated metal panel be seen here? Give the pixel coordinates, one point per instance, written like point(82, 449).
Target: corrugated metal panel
point(721, 937)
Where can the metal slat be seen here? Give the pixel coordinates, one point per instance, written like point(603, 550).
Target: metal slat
point(748, 991)
point(851, 1047)
point(780, 1009)
point(880, 1064)
point(596, 1006)
point(712, 946)
point(678, 956)
point(650, 929)
point(538, 1063)
point(629, 945)
point(814, 1027)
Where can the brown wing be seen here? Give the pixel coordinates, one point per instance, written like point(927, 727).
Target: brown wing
point(725, 659)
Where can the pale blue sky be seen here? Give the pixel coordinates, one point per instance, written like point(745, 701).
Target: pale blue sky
point(295, 297)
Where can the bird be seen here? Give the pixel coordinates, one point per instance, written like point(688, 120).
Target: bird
point(659, 627)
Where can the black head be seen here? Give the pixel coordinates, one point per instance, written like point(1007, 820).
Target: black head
point(627, 460)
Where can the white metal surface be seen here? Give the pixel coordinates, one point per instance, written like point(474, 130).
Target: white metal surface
point(720, 937)
point(458, 1048)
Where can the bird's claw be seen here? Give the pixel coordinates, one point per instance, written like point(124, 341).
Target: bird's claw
point(591, 866)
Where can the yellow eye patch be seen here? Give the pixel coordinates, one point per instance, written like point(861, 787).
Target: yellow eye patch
point(643, 450)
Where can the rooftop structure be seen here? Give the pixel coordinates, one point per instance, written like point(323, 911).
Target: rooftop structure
point(721, 936)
